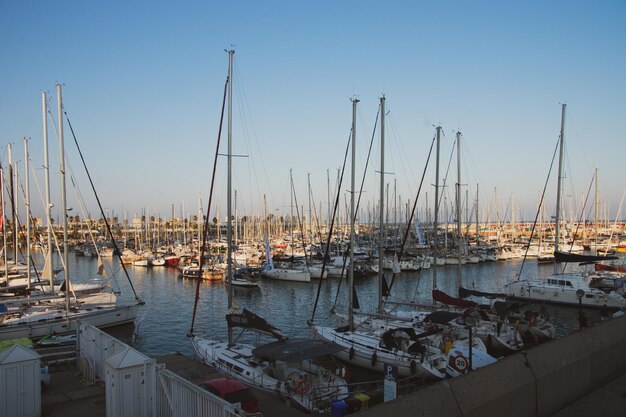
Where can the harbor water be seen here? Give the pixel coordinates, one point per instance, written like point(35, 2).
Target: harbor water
point(164, 323)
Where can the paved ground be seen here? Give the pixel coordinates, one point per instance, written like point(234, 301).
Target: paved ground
point(608, 401)
point(69, 396)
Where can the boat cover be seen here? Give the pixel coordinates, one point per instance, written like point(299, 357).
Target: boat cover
point(296, 350)
point(441, 317)
point(465, 292)
point(576, 257)
point(444, 298)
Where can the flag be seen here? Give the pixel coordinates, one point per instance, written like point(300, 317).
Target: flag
point(395, 266)
point(101, 270)
point(420, 234)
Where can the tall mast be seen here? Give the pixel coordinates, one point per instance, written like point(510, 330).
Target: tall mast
point(436, 217)
point(381, 233)
point(4, 227)
point(558, 186)
point(477, 231)
point(310, 234)
point(12, 187)
point(229, 226)
point(328, 197)
point(459, 250)
point(63, 199)
point(27, 204)
point(46, 167)
point(352, 237)
point(291, 214)
point(595, 248)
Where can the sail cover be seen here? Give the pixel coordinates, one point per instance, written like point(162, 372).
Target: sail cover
point(296, 350)
point(465, 292)
point(444, 298)
point(249, 320)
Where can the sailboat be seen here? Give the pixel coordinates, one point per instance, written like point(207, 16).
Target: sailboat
point(59, 313)
point(565, 288)
point(396, 344)
point(284, 366)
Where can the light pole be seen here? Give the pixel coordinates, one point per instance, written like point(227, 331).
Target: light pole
point(470, 322)
point(580, 294)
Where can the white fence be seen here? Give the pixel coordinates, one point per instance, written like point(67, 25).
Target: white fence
point(165, 394)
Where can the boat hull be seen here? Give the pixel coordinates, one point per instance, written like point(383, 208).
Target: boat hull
point(68, 323)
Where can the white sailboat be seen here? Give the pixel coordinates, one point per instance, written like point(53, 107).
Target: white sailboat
point(283, 274)
point(285, 366)
point(59, 313)
point(392, 344)
point(569, 288)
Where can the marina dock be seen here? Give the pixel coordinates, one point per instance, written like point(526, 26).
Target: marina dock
point(69, 396)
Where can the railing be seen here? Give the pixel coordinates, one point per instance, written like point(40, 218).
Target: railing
point(162, 392)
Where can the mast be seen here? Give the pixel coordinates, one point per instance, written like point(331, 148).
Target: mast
point(310, 233)
point(459, 250)
point(27, 204)
point(596, 216)
point(12, 188)
point(328, 196)
point(352, 237)
point(291, 214)
point(229, 226)
point(63, 199)
point(381, 233)
point(558, 186)
point(3, 227)
point(436, 217)
point(477, 231)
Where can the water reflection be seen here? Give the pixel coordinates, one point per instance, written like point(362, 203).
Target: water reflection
point(165, 320)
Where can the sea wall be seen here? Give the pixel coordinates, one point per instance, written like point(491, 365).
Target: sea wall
point(536, 383)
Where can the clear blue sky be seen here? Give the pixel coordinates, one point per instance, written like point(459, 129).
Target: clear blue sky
point(143, 84)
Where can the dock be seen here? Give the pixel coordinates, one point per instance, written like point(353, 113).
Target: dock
point(69, 396)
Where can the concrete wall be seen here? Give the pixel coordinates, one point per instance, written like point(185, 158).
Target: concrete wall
point(536, 383)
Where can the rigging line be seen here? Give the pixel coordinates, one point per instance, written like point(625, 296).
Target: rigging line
point(81, 203)
point(32, 220)
point(330, 234)
point(543, 195)
point(445, 179)
point(242, 94)
point(54, 235)
point(582, 213)
point(106, 222)
point(14, 227)
point(403, 153)
point(317, 219)
point(206, 220)
point(295, 198)
point(408, 226)
point(358, 203)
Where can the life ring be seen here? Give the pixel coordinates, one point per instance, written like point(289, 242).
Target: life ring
point(460, 363)
point(302, 386)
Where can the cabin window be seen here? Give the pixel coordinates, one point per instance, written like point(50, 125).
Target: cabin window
point(561, 282)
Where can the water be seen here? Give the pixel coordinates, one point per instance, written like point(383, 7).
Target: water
point(165, 321)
